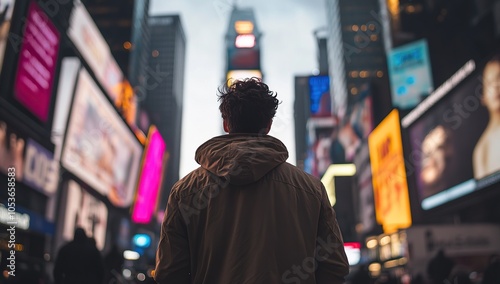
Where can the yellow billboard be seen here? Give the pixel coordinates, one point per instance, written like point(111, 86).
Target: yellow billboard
point(390, 187)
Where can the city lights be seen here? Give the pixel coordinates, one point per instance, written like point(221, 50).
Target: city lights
point(245, 41)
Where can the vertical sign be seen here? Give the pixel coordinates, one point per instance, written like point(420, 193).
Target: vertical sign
point(390, 187)
point(37, 63)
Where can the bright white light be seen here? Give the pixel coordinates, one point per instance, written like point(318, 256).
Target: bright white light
point(245, 41)
point(126, 273)
point(131, 255)
point(353, 254)
point(141, 277)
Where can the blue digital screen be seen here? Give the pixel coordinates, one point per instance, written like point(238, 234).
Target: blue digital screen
point(319, 94)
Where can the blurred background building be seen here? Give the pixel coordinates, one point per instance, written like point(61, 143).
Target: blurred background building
point(164, 90)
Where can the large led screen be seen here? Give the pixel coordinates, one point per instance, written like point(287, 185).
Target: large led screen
point(410, 74)
point(330, 141)
point(6, 9)
point(150, 179)
point(455, 144)
point(37, 63)
point(99, 148)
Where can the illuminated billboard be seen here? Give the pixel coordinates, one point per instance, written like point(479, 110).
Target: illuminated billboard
point(331, 141)
point(6, 9)
point(89, 41)
point(81, 209)
point(150, 178)
point(37, 63)
point(234, 75)
point(319, 96)
point(410, 74)
point(243, 27)
point(99, 147)
point(244, 41)
point(454, 140)
point(33, 164)
point(390, 187)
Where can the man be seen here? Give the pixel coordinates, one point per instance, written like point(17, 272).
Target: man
point(486, 157)
point(79, 262)
point(245, 215)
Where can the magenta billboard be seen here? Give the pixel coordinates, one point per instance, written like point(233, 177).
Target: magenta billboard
point(37, 63)
point(150, 179)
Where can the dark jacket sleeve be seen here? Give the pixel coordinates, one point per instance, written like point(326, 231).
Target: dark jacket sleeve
point(332, 260)
point(172, 256)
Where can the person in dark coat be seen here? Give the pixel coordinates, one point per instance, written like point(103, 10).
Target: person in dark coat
point(492, 272)
point(362, 276)
point(78, 262)
point(439, 268)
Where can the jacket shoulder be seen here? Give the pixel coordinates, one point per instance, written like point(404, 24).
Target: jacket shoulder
point(294, 176)
point(191, 183)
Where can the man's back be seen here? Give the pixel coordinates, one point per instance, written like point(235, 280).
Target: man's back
point(247, 216)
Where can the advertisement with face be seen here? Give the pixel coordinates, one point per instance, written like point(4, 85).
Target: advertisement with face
point(331, 142)
point(6, 8)
point(99, 148)
point(454, 145)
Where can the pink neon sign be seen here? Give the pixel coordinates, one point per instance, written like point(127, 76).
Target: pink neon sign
point(37, 63)
point(149, 182)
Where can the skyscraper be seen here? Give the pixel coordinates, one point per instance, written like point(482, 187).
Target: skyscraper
point(164, 85)
point(140, 51)
point(243, 45)
point(356, 54)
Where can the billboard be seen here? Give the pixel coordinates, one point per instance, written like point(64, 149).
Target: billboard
point(319, 96)
point(454, 142)
point(99, 148)
point(410, 74)
point(390, 187)
point(81, 209)
point(89, 41)
point(37, 63)
point(333, 142)
point(6, 9)
point(33, 164)
point(234, 75)
point(150, 178)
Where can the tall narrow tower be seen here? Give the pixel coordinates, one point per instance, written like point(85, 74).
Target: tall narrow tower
point(165, 89)
point(243, 45)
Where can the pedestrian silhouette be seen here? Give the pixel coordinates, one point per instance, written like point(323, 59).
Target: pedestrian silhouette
point(492, 272)
point(113, 262)
point(440, 267)
point(79, 262)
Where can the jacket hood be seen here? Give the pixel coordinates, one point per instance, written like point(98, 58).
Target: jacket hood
point(241, 159)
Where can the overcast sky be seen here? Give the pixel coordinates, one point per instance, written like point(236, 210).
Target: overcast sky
point(288, 49)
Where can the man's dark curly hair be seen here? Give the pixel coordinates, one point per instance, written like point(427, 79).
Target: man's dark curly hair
point(247, 105)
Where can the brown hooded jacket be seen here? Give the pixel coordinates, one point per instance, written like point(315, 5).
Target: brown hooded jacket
point(247, 216)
